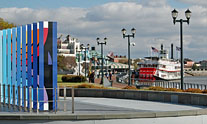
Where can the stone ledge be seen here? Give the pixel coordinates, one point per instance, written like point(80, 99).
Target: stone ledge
point(160, 96)
point(103, 116)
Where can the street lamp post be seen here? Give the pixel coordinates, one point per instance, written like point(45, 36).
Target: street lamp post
point(133, 30)
point(101, 43)
point(107, 66)
point(174, 16)
point(79, 51)
point(85, 49)
point(95, 59)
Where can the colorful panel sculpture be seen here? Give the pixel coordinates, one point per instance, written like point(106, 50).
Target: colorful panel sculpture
point(1, 62)
point(28, 58)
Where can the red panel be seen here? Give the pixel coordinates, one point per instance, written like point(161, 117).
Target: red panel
point(38, 51)
point(45, 34)
point(45, 38)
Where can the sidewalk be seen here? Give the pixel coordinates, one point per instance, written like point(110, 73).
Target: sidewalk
point(114, 83)
point(88, 108)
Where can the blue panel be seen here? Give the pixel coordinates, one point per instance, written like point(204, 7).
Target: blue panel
point(29, 62)
point(9, 60)
point(9, 56)
point(4, 56)
point(18, 59)
point(18, 68)
point(13, 56)
point(54, 50)
point(23, 60)
point(1, 74)
point(14, 59)
point(41, 65)
point(35, 65)
point(5, 63)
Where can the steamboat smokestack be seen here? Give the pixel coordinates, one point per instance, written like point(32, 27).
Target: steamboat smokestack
point(171, 51)
point(161, 46)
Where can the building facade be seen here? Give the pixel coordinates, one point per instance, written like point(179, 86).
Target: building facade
point(68, 47)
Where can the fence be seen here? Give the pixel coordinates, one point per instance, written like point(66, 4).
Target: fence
point(22, 100)
point(166, 84)
point(160, 83)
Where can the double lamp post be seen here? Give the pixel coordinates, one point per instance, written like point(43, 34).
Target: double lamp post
point(133, 31)
point(174, 16)
point(85, 48)
point(101, 43)
point(79, 52)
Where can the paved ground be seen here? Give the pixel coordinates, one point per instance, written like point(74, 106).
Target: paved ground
point(109, 105)
point(114, 84)
point(87, 105)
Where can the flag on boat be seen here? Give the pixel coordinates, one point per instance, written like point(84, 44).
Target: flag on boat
point(178, 48)
point(155, 50)
point(110, 54)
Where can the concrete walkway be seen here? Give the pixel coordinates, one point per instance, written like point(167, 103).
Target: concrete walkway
point(90, 105)
point(107, 110)
point(126, 105)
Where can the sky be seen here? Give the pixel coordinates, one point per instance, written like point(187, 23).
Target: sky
point(88, 19)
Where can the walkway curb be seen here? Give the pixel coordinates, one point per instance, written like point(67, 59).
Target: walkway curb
point(133, 115)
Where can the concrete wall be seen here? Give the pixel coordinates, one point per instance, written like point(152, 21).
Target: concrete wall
point(170, 97)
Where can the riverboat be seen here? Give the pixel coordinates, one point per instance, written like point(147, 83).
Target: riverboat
point(159, 67)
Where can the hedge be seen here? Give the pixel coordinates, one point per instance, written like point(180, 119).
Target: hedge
point(73, 78)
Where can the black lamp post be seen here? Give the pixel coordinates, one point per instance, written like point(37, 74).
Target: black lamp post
point(101, 43)
point(174, 16)
point(133, 30)
point(85, 49)
point(78, 51)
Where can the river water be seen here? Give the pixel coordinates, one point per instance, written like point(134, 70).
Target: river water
point(196, 79)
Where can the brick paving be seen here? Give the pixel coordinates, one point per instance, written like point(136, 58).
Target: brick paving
point(114, 83)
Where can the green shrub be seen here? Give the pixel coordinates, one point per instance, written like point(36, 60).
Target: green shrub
point(73, 78)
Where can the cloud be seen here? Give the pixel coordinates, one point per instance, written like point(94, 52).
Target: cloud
point(154, 3)
point(151, 19)
point(195, 2)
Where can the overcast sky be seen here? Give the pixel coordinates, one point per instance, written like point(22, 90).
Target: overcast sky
point(89, 19)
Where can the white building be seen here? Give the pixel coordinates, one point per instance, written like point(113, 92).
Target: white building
point(68, 47)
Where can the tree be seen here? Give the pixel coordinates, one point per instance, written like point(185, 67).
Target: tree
point(123, 61)
point(195, 66)
point(135, 63)
point(60, 63)
point(66, 63)
point(5, 24)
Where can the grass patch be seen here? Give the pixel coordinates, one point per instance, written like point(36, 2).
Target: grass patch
point(85, 85)
point(69, 84)
point(90, 85)
point(59, 78)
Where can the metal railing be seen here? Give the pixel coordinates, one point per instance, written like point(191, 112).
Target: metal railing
point(161, 83)
point(22, 99)
point(167, 84)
